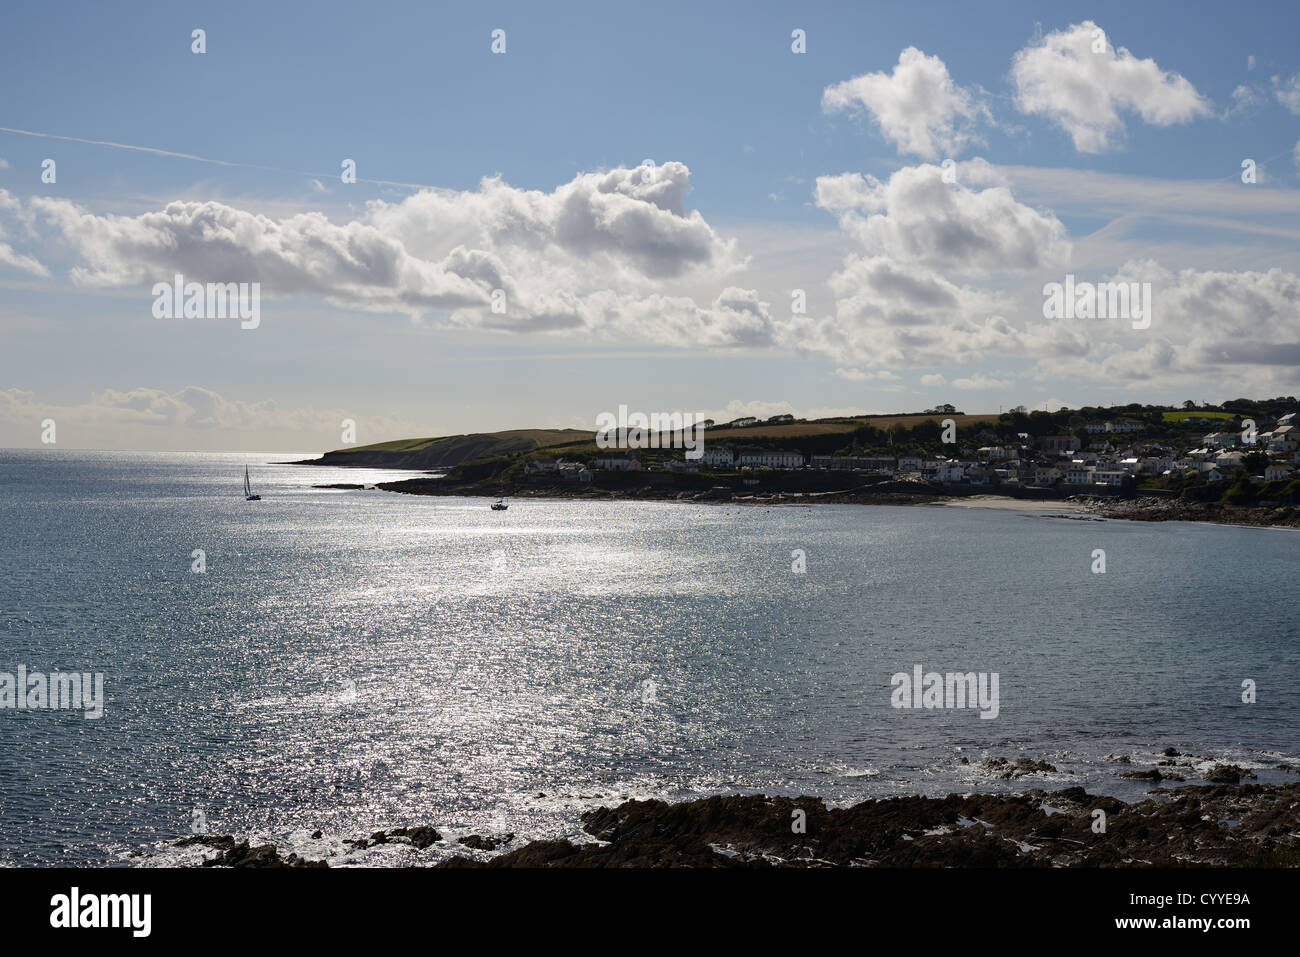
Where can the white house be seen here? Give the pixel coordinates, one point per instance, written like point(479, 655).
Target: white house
point(771, 458)
point(1275, 472)
point(716, 457)
point(619, 463)
point(1114, 477)
point(950, 473)
point(572, 471)
point(1221, 440)
point(1284, 438)
point(1046, 477)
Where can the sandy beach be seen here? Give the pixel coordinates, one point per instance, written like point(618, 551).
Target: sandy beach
point(1015, 504)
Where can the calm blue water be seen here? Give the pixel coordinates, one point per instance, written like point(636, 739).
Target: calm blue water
point(357, 660)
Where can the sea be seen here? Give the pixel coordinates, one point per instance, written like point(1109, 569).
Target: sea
point(322, 664)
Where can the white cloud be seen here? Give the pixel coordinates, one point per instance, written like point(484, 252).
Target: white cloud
point(861, 375)
point(1244, 98)
point(604, 255)
point(1083, 92)
point(1250, 61)
point(981, 383)
point(917, 218)
point(902, 301)
point(148, 417)
point(11, 208)
point(1240, 329)
point(918, 107)
point(1288, 92)
point(933, 381)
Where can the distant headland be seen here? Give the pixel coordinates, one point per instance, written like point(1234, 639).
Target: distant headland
point(1238, 462)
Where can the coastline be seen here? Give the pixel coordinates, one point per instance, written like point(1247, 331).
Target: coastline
point(1225, 824)
point(1139, 509)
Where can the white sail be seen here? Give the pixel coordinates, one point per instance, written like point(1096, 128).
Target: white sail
point(247, 489)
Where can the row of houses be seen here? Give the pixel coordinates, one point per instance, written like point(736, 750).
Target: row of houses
point(1046, 461)
point(712, 458)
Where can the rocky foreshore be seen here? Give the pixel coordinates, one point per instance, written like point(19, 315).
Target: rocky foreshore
point(1147, 509)
point(1219, 825)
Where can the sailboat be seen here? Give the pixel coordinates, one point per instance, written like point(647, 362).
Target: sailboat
point(248, 491)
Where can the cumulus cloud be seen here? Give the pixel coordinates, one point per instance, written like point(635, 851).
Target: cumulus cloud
point(1288, 92)
point(918, 218)
point(908, 297)
point(1242, 326)
point(600, 255)
point(11, 208)
point(1062, 79)
point(918, 107)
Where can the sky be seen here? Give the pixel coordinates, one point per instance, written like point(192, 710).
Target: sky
point(726, 208)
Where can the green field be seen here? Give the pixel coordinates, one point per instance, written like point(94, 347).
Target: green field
point(1183, 416)
point(542, 438)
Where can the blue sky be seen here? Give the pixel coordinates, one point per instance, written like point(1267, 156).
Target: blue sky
point(760, 150)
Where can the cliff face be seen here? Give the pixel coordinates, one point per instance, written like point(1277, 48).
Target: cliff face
point(443, 453)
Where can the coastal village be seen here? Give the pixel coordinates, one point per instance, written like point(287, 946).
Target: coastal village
point(1104, 455)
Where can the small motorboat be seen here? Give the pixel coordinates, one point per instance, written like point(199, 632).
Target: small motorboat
point(248, 491)
point(499, 506)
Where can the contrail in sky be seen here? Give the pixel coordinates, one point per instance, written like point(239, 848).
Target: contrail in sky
point(204, 159)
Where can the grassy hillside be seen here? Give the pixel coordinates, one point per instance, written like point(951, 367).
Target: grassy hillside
point(534, 438)
point(447, 451)
point(499, 448)
point(794, 430)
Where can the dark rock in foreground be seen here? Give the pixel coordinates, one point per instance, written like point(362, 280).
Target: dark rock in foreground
point(1194, 826)
point(1008, 770)
point(239, 854)
point(480, 843)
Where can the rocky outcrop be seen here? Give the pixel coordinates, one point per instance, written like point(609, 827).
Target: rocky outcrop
point(480, 843)
point(1011, 770)
point(1219, 826)
point(234, 853)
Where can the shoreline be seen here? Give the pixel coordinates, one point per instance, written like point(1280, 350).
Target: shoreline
point(1079, 508)
point(1225, 824)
